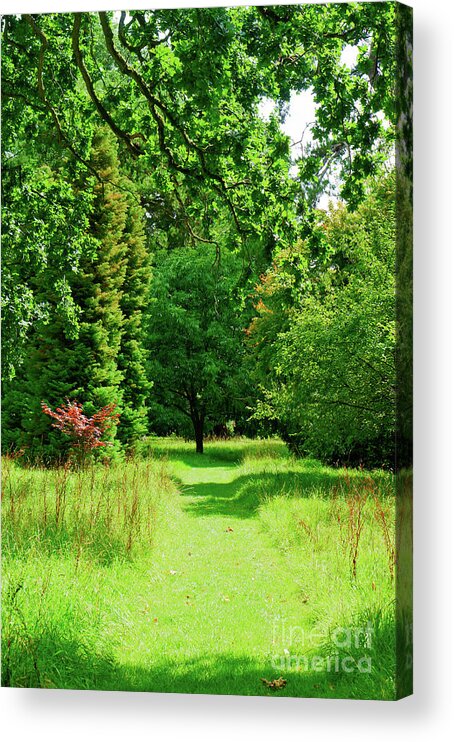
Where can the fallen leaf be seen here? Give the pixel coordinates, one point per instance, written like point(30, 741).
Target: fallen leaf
point(229, 530)
point(155, 620)
point(274, 684)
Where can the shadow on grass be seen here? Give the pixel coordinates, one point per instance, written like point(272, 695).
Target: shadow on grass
point(223, 452)
point(195, 460)
point(46, 660)
point(242, 497)
point(221, 675)
point(360, 663)
point(57, 663)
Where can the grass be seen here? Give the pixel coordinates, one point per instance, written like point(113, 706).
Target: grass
point(200, 574)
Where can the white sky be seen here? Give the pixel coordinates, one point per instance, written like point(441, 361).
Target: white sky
point(301, 115)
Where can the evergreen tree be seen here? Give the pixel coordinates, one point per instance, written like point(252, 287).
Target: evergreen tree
point(99, 285)
point(101, 362)
point(131, 358)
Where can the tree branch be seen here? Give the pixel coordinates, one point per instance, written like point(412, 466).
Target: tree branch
point(137, 48)
point(42, 94)
point(105, 115)
point(193, 234)
point(350, 404)
point(155, 105)
point(21, 96)
point(372, 368)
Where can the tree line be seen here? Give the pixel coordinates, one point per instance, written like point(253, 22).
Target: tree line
point(160, 254)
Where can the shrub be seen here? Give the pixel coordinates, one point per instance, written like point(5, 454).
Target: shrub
point(85, 432)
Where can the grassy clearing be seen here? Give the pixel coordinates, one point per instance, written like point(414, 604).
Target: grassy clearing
point(200, 574)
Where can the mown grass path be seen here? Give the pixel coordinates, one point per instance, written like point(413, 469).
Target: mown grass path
point(198, 574)
point(219, 602)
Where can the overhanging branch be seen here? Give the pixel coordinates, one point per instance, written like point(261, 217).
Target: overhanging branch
point(42, 94)
point(159, 109)
point(105, 115)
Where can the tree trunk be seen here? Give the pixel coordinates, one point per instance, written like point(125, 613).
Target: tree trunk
point(198, 430)
point(199, 443)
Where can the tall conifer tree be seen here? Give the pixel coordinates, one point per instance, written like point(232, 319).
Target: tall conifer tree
point(102, 362)
point(131, 358)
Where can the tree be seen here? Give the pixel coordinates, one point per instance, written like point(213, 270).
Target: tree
point(131, 358)
point(180, 89)
point(194, 338)
point(45, 235)
point(84, 432)
point(44, 218)
point(324, 336)
point(89, 364)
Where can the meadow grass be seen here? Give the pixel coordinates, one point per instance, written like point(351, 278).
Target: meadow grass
point(200, 574)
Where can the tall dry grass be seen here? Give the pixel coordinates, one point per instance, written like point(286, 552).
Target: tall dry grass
point(104, 511)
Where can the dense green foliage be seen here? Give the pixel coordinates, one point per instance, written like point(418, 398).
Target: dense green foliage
point(157, 151)
point(170, 268)
point(99, 361)
point(324, 336)
point(194, 337)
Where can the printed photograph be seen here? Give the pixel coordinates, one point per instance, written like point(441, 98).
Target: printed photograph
point(207, 350)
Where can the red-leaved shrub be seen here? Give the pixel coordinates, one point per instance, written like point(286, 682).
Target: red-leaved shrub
point(85, 432)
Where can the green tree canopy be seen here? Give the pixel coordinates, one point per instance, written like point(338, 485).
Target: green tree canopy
point(97, 360)
point(181, 90)
point(194, 339)
point(324, 336)
point(197, 166)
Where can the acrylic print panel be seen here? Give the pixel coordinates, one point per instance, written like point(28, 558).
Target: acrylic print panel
point(207, 354)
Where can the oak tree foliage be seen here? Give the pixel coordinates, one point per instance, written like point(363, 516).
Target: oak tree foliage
point(137, 137)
